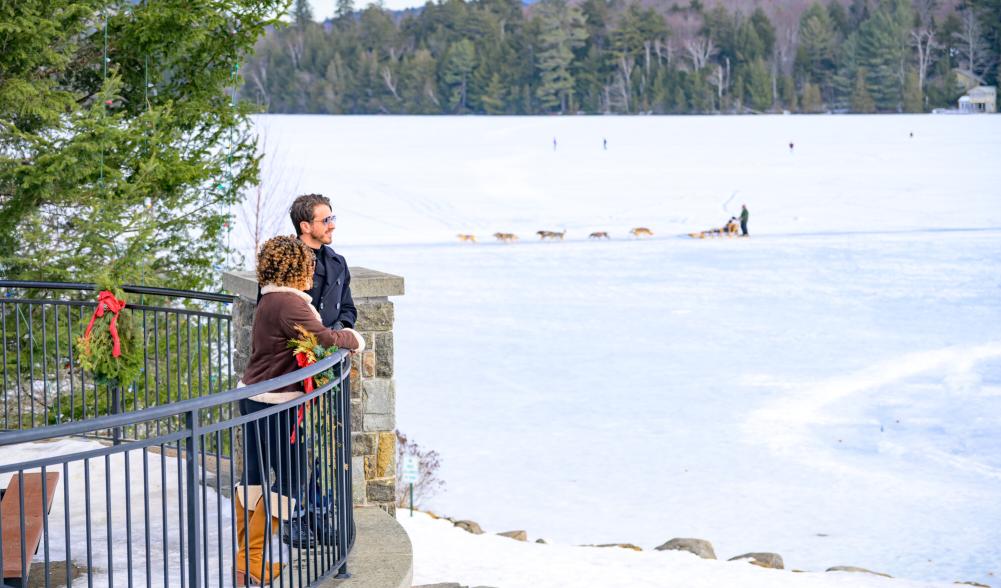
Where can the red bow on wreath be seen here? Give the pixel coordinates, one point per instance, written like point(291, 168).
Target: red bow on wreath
point(307, 385)
point(107, 300)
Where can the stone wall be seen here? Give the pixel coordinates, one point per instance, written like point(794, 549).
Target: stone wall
point(373, 389)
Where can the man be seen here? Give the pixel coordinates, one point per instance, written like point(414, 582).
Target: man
point(743, 220)
point(314, 224)
point(331, 292)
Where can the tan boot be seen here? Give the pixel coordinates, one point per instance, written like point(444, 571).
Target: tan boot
point(252, 547)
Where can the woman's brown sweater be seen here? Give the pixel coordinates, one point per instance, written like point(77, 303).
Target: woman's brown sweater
point(278, 311)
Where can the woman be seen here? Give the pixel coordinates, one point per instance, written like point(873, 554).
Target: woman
point(284, 271)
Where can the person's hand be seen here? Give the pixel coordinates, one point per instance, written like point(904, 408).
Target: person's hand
point(358, 339)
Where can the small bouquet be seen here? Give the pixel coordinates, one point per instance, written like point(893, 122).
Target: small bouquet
point(307, 351)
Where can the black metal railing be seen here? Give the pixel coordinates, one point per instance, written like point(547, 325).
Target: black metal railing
point(143, 492)
point(186, 352)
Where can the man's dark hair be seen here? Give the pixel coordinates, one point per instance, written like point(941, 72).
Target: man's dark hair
point(302, 209)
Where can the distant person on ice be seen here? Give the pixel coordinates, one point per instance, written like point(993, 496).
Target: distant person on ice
point(604, 144)
point(743, 220)
point(554, 143)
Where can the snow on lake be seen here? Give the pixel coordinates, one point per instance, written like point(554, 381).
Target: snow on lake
point(829, 389)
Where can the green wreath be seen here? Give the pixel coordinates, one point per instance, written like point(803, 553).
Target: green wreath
point(96, 346)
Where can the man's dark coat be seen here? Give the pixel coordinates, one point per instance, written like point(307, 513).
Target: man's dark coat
point(331, 291)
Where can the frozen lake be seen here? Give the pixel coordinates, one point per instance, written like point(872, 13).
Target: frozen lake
point(829, 389)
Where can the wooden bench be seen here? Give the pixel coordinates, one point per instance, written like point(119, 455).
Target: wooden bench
point(10, 513)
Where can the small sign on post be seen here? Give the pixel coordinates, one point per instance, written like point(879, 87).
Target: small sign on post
point(409, 475)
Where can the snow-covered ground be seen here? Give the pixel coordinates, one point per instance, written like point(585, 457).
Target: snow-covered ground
point(111, 554)
point(489, 560)
point(829, 389)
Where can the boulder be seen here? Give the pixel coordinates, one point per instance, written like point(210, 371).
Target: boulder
point(469, 526)
point(856, 569)
point(516, 535)
point(699, 547)
point(762, 559)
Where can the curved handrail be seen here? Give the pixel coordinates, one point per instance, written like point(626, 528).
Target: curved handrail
point(153, 291)
point(198, 433)
point(171, 409)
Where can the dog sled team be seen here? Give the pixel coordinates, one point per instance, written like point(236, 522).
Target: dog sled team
point(729, 229)
point(553, 235)
point(735, 227)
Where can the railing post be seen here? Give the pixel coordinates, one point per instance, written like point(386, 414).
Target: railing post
point(116, 408)
point(194, 508)
point(342, 443)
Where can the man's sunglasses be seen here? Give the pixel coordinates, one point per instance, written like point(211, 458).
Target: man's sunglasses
point(327, 221)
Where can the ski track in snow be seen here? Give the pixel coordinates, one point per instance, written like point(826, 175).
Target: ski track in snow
point(785, 423)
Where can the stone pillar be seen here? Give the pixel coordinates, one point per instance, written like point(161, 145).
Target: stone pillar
point(373, 390)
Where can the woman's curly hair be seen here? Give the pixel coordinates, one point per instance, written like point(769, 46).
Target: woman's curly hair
point(285, 261)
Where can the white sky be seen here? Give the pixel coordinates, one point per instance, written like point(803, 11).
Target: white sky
point(323, 9)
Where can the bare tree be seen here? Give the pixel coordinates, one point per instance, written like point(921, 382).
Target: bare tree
point(719, 80)
point(973, 50)
point(924, 42)
point(626, 63)
point(429, 92)
point(263, 211)
point(428, 463)
point(258, 75)
point(700, 49)
point(387, 77)
point(662, 49)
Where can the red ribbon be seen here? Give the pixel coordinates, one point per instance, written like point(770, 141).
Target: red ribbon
point(107, 300)
point(303, 360)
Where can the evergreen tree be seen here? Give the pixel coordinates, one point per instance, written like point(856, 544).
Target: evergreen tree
point(862, 101)
point(344, 10)
point(459, 63)
point(127, 165)
point(419, 84)
point(811, 101)
point(302, 13)
point(883, 48)
point(608, 56)
point(989, 12)
point(815, 56)
point(765, 31)
point(913, 97)
point(839, 18)
point(493, 98)
point(561, 30)
point(759, 86)
point(789, 94)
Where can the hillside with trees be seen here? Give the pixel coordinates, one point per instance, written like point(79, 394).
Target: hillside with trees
point(617, 56)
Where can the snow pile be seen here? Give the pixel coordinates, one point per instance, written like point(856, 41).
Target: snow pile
point(444, 553)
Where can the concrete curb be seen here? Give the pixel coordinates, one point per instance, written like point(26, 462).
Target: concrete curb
point(383, 556)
